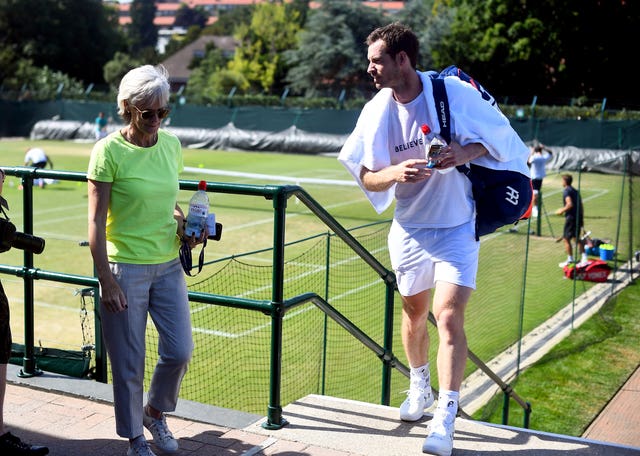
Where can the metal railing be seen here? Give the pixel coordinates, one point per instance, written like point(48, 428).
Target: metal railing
point(276, 308)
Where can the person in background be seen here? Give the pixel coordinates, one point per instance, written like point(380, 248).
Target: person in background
point(540, 155)
point(10, 445)
point(35, 156)
point(573, 212)
point(100, 126)
point(432, 241)
point(135, 231)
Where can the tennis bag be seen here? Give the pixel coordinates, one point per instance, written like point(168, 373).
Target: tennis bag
point(502, 197)
point(591, 271)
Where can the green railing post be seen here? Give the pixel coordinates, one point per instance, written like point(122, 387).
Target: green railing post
point(387, 359)
point(527, 416)
point(29, 368)
point(505, 408)
point(100, 350)
point(325, 327)
point(274, 410)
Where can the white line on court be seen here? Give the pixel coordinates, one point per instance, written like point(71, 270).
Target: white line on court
point(296, 180)
point(270, 220)
point(48, 305)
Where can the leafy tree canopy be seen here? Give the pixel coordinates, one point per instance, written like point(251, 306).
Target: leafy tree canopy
point(187, 17)
point(117, 67)
point(228, 20)
point(331, 53)
point(76, 37)
point(143, 33)
point(272, 30)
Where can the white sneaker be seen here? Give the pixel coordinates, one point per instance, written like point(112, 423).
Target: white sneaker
point(419, 398)
point(440, 438)
point(565, 263)
point(162, 436)
point(140, 447)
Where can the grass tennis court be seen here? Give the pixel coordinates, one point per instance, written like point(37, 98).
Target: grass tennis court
point(232, 344)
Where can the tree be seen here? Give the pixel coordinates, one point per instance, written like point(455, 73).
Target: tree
point(210, 78)
point(228, 20)
point(187, 17)
point(42, 83)
point(551, 48)
point(50, 35)
point(331, 52)
point(178, 41)
point(116, 68)
point(430, 24)
point(142, 31)
point(272, 30)
point(503, 39)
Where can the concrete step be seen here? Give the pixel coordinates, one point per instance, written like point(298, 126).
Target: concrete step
point(359, 428)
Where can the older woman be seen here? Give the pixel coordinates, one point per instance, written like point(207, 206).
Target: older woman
point(135, 227)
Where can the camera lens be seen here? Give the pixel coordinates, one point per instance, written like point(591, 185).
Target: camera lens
point(28, 243)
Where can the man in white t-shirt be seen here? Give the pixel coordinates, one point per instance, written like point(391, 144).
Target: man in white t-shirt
point(538, 159)
point(37, 157)
point(432, 242)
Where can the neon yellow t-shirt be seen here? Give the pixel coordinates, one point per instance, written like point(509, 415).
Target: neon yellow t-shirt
point(140, 224)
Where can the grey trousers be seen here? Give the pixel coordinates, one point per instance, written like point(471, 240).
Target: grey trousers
point(160, 291)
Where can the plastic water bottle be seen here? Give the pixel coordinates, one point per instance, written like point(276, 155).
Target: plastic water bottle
point(433, 152)
point(198, 211)
point(435, 147)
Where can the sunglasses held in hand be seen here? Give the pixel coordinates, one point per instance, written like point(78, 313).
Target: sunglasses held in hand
point(149, 113)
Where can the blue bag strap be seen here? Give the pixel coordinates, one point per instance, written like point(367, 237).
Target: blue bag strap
point(444, 116)
point(442, 107)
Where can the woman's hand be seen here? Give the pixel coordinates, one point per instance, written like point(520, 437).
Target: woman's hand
point(111, 296)
point(192, 240)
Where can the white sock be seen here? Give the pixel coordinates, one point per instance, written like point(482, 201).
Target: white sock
point(448, 400)
point(421, 373)
point(570, 259)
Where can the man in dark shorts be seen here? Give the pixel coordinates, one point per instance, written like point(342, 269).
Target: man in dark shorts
point(10, 445)
point(538, 159)
point(573, 211)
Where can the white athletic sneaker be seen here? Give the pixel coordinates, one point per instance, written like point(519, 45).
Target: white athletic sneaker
point(440, 438)
point(140, 447)
point(419, 398)
point(162, 436)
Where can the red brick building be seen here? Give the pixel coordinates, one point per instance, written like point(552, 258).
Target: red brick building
point(166, 9)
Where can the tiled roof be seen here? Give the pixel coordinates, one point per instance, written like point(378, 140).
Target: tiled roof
point(124, 8)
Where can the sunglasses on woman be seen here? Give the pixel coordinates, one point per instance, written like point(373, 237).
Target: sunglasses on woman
point(149, 113)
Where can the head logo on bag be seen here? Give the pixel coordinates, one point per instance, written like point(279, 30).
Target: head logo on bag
point(502, 197)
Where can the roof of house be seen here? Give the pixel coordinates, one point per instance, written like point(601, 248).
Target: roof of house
point(178, 64)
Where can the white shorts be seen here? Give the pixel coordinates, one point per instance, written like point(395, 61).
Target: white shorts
point(422, 256)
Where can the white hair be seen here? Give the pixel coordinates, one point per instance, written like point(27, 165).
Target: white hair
point(146, 84)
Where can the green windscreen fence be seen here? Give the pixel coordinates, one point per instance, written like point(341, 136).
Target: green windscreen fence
point(19, 118)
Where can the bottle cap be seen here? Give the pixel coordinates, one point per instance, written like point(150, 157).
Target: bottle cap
point(202, 185)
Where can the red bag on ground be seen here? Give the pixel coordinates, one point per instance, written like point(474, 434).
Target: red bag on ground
point(591, 271)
